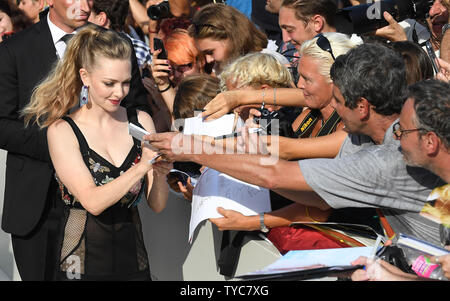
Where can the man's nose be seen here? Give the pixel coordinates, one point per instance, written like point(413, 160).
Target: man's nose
point(285, 36)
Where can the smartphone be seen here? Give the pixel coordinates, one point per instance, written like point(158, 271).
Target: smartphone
point(158, 44)
point(179, 176)
point(432, 56)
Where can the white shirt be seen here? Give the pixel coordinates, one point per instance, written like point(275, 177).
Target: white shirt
point(57, 33)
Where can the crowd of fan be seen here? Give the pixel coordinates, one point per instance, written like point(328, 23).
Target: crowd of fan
point(363, 118)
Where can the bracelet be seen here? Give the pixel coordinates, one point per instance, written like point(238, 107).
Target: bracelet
point(168, 87)
point(445, 28)
point(307, 214)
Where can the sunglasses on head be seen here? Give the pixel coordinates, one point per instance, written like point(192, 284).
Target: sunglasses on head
point(324, 44)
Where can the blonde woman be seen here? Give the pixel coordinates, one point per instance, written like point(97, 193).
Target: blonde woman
point(101, 170)
point(314, 93)
point(318, 125)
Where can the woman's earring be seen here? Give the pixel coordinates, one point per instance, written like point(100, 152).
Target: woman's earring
point(84, 95)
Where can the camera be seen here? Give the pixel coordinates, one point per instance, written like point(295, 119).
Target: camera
point(266, 119)
point(159, 11)
point(368, 17)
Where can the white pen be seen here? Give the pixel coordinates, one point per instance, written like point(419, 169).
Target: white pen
point(375, 247)
point(153, 160)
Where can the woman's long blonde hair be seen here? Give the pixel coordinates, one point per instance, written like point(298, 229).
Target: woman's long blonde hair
point(60, 90)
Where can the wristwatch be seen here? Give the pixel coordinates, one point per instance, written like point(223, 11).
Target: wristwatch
point(263, 227)
point(445, 27)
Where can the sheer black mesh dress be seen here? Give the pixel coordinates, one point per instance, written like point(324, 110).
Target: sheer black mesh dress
point(109, 246)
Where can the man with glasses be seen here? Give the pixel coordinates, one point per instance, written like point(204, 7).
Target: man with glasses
point(424, 133)
point(424, 127)
point(369, 91)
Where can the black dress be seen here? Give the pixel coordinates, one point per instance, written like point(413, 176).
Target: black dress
point(109, 246)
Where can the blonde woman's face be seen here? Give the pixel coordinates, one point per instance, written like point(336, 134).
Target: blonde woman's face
point(108, 82)
point(316, 89)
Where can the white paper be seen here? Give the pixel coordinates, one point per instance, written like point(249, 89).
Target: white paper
point(306, 259)
point(139, 133)
point(217, 127)
point(215, 189)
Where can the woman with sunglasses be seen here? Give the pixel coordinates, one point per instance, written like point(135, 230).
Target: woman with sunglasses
point(314, 92)
point(315, 124)
point(320, 127)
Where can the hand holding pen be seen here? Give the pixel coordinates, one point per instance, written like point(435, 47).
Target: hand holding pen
point(377, 269)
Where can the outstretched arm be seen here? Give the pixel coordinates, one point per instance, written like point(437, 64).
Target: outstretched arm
point(304, 148)
point(285, 216)
point(226, 101)
point(264, 171)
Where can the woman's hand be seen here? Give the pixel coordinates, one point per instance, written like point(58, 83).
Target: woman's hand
point(222, 104)
point(233, 220)
point(160, 70)
point(187, 190)
point(379, 270)
point(148, 153)
point(161, 168)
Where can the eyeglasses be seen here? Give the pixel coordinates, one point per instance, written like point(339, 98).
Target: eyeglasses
point(398, 132)
point(324, 44)
point(182, 68)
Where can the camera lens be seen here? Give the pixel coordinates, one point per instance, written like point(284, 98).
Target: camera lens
point(265, 113)
point(159, 11)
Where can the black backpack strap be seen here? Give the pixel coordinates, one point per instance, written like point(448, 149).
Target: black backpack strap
point(330, 124)
point(84, 147)
point(230, 250)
